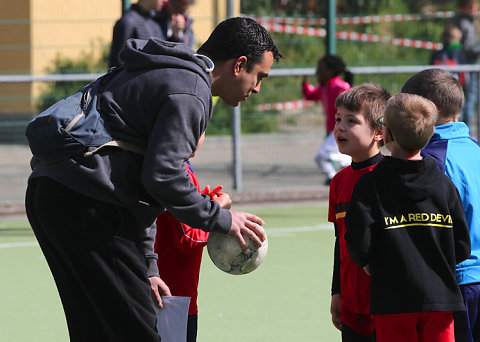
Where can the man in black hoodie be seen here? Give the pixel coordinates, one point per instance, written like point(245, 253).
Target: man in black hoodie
point(93, 216)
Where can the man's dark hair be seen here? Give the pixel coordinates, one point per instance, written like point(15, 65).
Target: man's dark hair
point(440, 87)
point(237, 37)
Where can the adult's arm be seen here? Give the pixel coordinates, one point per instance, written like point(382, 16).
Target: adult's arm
point(461, 232)
point(172, 141)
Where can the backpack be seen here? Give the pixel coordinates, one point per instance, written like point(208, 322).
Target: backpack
point(72, 125)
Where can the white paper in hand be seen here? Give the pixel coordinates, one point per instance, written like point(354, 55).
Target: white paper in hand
point(172, 319)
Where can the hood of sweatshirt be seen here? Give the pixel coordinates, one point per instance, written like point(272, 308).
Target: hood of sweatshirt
point(410, 179)
point(138, 54)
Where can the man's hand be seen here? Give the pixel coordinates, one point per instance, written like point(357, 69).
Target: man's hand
point(248, 224)
point(159, 288)
point(335, 311)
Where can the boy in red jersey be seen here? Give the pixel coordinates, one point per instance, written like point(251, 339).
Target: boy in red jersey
point(180, 247)
point(357, 134)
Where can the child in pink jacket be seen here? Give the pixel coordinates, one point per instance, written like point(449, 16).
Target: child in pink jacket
point(329, 69)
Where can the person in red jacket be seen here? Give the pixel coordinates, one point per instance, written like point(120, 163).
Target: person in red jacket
point(180, 247)
point(330, 86)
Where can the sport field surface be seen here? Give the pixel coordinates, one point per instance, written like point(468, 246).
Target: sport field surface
point(286, 299)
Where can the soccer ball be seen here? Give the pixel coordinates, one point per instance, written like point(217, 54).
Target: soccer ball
point(225, 252)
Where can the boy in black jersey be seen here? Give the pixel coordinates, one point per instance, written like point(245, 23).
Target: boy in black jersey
point(407, 228)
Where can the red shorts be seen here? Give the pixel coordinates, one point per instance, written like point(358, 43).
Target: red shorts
point(431, 326)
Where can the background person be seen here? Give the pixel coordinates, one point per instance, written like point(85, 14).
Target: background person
point(330, 86)
point(452, 52)
point(175, 23)
point(464, 19)
point(138, 22)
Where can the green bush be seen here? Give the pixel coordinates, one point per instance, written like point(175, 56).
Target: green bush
point(86, 63)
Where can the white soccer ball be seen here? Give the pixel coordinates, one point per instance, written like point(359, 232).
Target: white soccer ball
point(227, 255)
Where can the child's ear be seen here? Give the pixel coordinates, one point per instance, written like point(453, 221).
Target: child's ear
point(378, 135)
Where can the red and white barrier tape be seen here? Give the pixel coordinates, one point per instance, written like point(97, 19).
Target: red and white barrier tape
point(285, 105)
point(419, 44)
point(353, 36)
point(308, 31)
point(354, 20)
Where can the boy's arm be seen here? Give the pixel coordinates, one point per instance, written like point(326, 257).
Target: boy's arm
point(336, 265)
point(335, 310)
point(461, 233)
point(359, 221)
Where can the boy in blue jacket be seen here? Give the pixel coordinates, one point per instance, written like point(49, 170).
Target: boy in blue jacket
point(459, 157)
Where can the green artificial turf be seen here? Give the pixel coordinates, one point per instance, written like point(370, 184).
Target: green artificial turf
point(286, 299)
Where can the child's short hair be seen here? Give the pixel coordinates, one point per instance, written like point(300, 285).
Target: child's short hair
point(411, 120)
point(368, 98)
point(440, 87)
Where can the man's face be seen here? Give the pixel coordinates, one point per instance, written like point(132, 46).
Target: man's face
point(246, 83)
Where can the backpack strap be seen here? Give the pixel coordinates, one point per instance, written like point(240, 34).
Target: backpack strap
point(124, 145)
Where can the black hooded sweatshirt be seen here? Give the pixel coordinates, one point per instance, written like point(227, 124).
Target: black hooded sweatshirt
point(406, 221)
point(161, 100)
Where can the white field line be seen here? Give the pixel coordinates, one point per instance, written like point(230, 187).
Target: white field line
point(19, 244)
point(271, 231)
point(323, 226)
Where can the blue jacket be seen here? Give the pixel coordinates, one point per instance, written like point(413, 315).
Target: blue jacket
point(459, 157)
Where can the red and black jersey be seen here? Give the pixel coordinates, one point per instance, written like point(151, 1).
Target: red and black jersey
point(354, 283)
point(179, 248)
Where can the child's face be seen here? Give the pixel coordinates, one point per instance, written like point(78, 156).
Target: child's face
point(355, 136)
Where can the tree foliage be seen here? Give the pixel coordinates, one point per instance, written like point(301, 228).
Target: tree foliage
point(86, 63)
